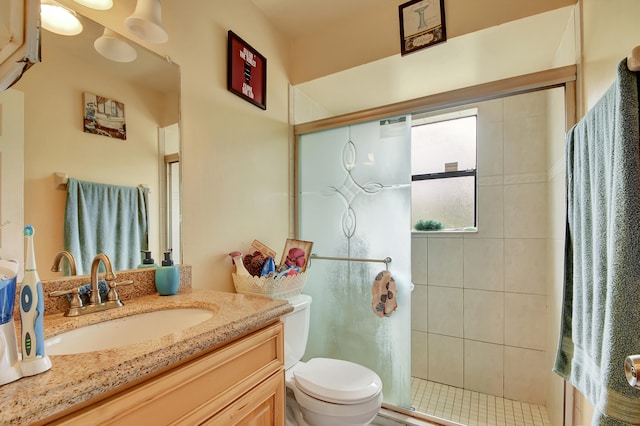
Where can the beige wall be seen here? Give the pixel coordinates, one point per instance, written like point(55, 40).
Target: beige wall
point(235, 156)
point(12, 154)
point(609, 31)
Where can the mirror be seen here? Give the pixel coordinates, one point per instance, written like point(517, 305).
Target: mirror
point(55, 140)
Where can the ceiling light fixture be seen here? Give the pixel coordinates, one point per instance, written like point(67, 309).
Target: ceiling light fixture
point(59, 20)
point(112, 46)
point(146, 22)
point(96, 4)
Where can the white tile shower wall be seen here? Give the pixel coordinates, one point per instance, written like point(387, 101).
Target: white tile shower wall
point(484, 316)
point(525, 265)
point(444, 262)
point(484, 264)
point(484, 367)
point(445, 311)
point(446, 359)
point(485, 292)
point(419, 299)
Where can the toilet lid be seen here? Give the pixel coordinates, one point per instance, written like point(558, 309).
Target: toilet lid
point(337, 381)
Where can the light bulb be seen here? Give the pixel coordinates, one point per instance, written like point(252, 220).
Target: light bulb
point(59, 20)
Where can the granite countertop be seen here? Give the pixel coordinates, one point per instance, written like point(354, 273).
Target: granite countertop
point(75, 379)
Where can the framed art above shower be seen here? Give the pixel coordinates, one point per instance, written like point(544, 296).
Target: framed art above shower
point(422, 25)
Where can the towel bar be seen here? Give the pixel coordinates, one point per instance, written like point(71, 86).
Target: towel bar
point(60, 180)
point(386, 260)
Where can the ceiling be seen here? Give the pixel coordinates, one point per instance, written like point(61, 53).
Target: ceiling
point(297, 17)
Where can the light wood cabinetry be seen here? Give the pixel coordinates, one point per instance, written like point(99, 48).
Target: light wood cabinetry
point(241, 383)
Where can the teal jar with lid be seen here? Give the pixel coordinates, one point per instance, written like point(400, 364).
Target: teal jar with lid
point(167, 276)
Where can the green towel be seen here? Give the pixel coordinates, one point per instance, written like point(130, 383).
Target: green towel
point(109, 219)
point(601, 309)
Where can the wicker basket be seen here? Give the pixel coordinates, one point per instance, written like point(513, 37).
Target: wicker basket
point(274, 288)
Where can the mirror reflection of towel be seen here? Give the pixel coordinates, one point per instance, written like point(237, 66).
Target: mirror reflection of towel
point(104, 218)
point(384, 293)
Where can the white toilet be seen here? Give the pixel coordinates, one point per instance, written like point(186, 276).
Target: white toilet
point(323, 391)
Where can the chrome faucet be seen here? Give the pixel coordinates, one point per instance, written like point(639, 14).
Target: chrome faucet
point(95, 301)
point(58, 259)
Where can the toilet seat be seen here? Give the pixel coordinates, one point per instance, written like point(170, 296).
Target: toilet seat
point(337, 381)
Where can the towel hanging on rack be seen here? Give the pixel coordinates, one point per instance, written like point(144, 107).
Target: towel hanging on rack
point(600, 315)
point(110, 219)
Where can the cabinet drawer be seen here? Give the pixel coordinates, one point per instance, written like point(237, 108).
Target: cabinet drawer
point(194, 390)
point(262, 406)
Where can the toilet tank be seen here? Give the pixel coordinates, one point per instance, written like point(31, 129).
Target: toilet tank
point(296, 329)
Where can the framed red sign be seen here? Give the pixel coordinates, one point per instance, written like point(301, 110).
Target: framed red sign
point(246, 71)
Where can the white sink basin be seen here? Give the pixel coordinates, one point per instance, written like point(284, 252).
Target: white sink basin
point(125, 331)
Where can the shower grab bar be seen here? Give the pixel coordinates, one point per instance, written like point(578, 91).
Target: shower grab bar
point(386, 260)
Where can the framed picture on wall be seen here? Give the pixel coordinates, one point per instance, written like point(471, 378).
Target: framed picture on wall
point(422, 25)
point(246, 71)
point(104, 116)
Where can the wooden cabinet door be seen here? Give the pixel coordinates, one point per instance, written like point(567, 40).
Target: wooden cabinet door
point(264, 405)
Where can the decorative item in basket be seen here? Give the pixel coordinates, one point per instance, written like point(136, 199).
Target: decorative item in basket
point(296, 253)
point(257, 273)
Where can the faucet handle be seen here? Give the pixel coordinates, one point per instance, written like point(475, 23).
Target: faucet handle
point(113, 296)
point(75, 304)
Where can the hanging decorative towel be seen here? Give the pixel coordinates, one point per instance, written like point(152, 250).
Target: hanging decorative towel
point(384, 293)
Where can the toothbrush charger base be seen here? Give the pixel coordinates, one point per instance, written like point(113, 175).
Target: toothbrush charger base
point(35, 366)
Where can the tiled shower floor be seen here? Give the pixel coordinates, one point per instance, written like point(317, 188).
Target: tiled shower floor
point(473, 408)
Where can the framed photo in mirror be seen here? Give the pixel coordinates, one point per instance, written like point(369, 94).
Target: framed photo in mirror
point(246, 71)
point(104, 116)
point(422, 25)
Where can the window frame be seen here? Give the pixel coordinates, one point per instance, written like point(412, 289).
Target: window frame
point(439, 117)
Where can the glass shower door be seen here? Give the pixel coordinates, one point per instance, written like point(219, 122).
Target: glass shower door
point(354, 203)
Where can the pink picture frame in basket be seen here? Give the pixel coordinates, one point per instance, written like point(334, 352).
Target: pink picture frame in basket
point(296, 252)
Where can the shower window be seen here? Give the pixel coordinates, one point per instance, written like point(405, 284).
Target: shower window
point(443, 169)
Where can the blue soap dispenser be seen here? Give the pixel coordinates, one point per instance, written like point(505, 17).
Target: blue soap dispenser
point(147, 261)
point(167, 276)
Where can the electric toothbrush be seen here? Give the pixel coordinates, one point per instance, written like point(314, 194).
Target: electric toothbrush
point(34, 360)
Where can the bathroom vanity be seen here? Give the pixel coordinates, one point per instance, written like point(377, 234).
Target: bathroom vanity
point(227, 370)
point(240, 383)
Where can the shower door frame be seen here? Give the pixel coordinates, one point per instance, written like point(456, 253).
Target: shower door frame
point(563, 77)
